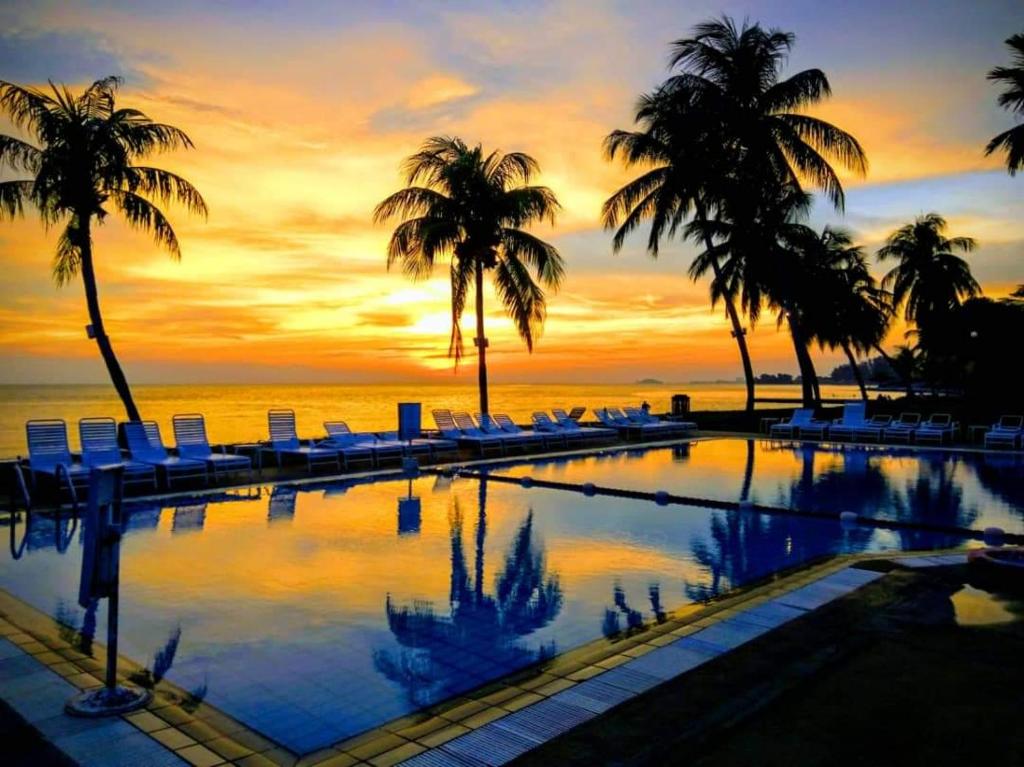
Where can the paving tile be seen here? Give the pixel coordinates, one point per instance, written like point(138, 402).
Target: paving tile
point(552, 687)
point(228, 748)
point(809, 597)
point(172, 738)
point(523, 700)
point(375, 746)
point(729, 634)
point(770, 614)
point(397, 755)
point(200, 756)
point(9, 650)
point(481, 718)
point(438, 737)
point(146, 721)
point(255, 760)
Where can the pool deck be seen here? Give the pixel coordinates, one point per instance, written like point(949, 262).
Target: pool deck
point(40, 669)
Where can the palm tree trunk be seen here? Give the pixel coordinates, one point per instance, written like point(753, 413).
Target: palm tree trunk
point(738, 332)
point(96, 319)
point(856, 371)
point(808, 376)
point(481, 340)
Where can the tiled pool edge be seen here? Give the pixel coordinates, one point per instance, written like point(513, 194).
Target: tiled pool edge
point(568, 690)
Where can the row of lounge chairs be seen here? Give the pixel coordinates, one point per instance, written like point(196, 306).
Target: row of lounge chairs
point(637, 421)
point(907, 428)
point(498, 433)
point(146, 459)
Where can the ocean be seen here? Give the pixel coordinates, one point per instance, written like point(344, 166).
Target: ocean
point(238, 412)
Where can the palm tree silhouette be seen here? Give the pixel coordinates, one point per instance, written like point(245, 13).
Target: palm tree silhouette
point(842, 304)
point(470, 209)
point(1012, 77)
point(929, 280)
point(725, 115)
point(83, 164)
point(479, 639)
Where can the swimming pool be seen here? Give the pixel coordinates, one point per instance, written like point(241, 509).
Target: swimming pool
point(312, 613)
point(956, 489)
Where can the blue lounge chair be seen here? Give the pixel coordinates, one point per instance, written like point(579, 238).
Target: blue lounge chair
point(577, 413)
point(874, 428)
point(49, 455)
point(358, 447)
point(542, 422)
point(146, 446)
point(802, 418)
point(939, 428)
point(617, 421)
point(590, 433)
point(192, 442)
point(902, 429)
point(524, 439)
point(100, 448)
point(642, 417)
point(853, 418)
point(284, 441)
point(471, 428)
point(1007, 433)
point(508, 426)
point(477, 440)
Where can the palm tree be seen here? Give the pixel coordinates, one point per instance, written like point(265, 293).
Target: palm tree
point(470, 208)
point(82, 164)
point(929, 278)
point(725, 115)
point(849, 310)
point(1012, 98)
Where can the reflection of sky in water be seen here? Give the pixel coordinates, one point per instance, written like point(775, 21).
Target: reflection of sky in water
point(314, 614)
point(960, 489)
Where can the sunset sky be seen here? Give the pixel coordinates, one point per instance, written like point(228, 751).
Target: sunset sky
point(301, 114)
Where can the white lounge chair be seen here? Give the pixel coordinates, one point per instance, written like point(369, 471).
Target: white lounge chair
point(852, 419)
point(191, 440)
point(802, 418)
point(284, 441)
point(874, 428)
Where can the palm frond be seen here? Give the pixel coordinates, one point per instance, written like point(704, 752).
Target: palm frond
point(68, 259)
point(541, 256)
point(19, 155)
point(141, 214)
point(522, 298)
point(461, 274)
point(166, 187)
point(13, 197)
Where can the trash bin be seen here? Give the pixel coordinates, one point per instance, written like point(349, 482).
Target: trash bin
point(680, 404)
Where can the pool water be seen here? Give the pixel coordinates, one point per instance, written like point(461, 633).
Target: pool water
point(954, 489)
point(312, 613)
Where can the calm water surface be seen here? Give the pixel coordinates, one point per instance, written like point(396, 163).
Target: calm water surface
point(313, 614)
point(962, 489)
point(238, 413)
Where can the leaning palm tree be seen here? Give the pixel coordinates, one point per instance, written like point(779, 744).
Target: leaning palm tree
point(849, 310)
point(929, 280)
point(725, 114)
point(468, 207)
point(1012, 98)
point(82, 164)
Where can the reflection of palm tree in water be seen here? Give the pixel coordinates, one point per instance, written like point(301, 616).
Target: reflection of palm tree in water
point(745, 546)
point(478, 640)
point(1003, 476)
point(634, 618)
point(936, 498)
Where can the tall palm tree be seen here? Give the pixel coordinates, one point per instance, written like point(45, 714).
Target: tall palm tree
point(82, 164)
point(725, 114)
point(929, 280)
point(469, 209)
point(1012, 77)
